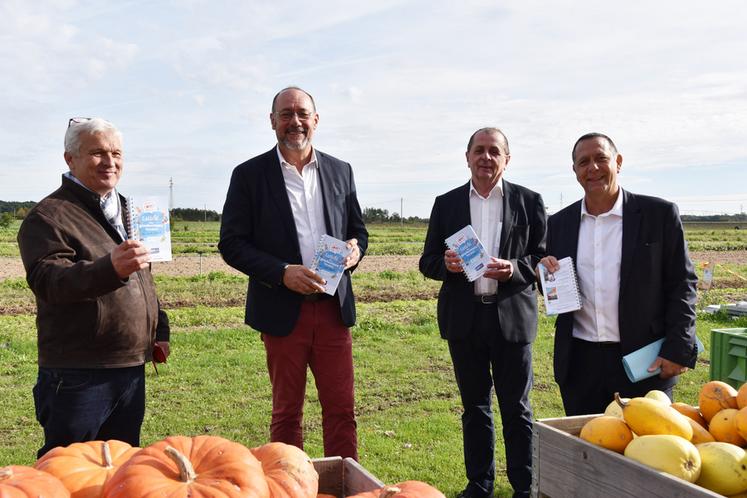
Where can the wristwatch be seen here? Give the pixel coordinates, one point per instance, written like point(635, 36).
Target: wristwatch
point(282, 272)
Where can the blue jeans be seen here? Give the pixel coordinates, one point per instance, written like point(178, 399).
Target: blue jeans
point(75, 405)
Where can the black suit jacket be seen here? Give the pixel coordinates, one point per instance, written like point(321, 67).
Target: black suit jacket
point(657, 281)
point(522, 242)
point(258, 236)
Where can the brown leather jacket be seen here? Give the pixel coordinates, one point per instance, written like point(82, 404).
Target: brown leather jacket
point(87, 317)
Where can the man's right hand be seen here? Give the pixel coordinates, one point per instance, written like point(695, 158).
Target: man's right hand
point(129, 257)
point(549, 262)
point(300, 279)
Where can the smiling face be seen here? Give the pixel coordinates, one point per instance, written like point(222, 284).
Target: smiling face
point(98, 162)
point(487, 160)
point(294, 120)
point(597, 164)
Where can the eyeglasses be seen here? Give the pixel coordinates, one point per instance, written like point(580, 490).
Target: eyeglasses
point(288, 115)
point(77, 120)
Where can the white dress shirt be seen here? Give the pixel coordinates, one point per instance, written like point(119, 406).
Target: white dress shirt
point(486, 215)
point(598, 263)
point(305, 198)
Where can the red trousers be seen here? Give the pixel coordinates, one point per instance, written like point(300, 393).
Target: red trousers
point(321, 342)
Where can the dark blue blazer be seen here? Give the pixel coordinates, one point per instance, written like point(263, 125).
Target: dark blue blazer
point(657, 281)
point(522, 242)
point(258, 236)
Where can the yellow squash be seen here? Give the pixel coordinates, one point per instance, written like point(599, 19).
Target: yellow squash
point(646, 416)
point(671, 454)
point(723, 468)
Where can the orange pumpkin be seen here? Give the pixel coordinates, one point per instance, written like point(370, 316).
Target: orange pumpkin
point(692, 412)
point(714, 397)
point(84, 468)
point(406, 489)
point(288, 470)
point(198, 467)
point(18, 481)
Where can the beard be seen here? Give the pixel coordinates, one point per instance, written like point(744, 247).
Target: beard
point(294, 144)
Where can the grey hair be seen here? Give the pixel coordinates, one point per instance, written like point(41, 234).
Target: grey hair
point(90, 126)
point(494, 131)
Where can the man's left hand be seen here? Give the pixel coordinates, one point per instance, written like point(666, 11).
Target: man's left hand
point(499, 269)
point(161, 351)
point(354, 256)
point(668, 368)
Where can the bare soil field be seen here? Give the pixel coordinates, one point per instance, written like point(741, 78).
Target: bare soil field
point(196, 265)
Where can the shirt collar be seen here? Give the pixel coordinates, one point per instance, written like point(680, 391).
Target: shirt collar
point(498, 187)
point(616, 210)
point(102, 198)
point(312, 163)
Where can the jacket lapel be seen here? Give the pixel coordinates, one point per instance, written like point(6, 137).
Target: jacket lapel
point(279, 195)
point(510, 199)
point(631, 226)
point(326, 185)
point(569, 232)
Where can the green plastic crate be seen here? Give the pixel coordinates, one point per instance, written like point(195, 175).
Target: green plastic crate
point(729, 356)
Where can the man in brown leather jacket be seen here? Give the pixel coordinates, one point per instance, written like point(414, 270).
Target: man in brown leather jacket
point(98, 317)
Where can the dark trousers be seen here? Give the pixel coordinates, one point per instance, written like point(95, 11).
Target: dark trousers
point(511, 366)
point(76, 405)
point(596, 373)
point(322, 343)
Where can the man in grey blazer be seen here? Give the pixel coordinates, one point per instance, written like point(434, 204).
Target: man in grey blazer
point(636, 281)
point(278, 206)
point(490, 323)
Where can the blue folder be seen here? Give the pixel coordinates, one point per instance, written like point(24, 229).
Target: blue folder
point(636, 363)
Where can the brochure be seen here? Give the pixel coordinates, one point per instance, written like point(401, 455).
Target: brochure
point(329, 261)
point(560, 289)
point(150, 224)
point(467, 245)
point(636, 363)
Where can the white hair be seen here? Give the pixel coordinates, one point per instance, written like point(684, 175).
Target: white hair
point(90, 126)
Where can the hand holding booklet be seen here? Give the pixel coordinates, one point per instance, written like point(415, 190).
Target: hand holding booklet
point(636, 363)
point(560, 289)
point(467, 245)
point(329, 261)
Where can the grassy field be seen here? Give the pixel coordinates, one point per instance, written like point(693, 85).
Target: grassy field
point(216, 382)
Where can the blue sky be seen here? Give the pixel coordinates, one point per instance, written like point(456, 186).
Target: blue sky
point(399, 86)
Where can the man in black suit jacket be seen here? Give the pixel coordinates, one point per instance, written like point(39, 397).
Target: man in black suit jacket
point(636, 280)
point(490, 324)
point(277, 207)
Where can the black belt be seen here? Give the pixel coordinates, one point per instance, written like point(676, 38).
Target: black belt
point(317, 296)
point(486, 298)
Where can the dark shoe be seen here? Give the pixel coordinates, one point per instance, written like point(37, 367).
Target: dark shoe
point(470, 493)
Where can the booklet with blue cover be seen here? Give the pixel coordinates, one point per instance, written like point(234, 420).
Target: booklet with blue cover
point(636, 363)
point(149, 222)
point(467, 245)
point(329, 261)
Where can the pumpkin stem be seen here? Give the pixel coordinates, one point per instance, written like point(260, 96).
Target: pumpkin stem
point(187, 473)
point(388, 491)
point(6, 473)
point(106, 455)
point(620, 401)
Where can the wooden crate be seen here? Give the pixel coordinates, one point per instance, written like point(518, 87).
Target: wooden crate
point(565, 465)
point(343, 477)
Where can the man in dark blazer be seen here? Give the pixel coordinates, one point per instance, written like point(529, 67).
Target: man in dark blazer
point(278, 206)
point(636, 281)
point(490, 323)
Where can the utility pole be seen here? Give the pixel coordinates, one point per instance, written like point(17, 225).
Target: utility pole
point(401, 211)
point(171, 193)
point(205, 212)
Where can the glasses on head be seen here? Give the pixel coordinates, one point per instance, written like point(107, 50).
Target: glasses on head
point(77, 120)
point(288, 115)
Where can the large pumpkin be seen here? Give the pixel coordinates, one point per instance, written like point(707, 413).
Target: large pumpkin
point(406, 489)
point(17, 481)
point(288, 470)
point(84, 468)
point(198, 467)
